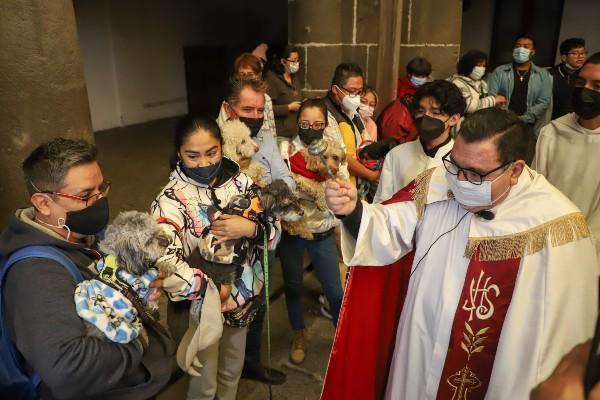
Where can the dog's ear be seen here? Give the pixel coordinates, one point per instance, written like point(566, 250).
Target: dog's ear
point(313, 163)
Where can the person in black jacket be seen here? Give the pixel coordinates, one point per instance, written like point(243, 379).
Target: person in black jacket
point(572, 55)
point(69, 207)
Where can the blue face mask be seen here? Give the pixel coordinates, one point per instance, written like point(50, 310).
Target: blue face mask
point(521, 55)
point(417, 81)
point(203, 175)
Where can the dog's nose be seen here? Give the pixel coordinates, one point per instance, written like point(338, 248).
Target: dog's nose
point(301, 212)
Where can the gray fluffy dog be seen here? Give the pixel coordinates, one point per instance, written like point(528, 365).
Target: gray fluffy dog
point(137, 241)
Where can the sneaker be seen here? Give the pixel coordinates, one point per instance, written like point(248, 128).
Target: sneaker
point(263, 374)
point(298, 345)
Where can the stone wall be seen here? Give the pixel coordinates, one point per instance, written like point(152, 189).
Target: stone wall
point(328, 32)
point(431, 29)
point(42, 89)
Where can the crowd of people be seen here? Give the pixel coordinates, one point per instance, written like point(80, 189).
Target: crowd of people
point(466, 212)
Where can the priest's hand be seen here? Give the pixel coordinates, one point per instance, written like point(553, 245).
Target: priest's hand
point(340, 196)
point(566, 382)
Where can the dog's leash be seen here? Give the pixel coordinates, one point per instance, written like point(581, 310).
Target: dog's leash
point(266, 274)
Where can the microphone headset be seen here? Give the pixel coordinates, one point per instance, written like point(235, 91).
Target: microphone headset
point(484, 214)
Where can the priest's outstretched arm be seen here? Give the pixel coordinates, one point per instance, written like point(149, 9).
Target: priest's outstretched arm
point(372, 234)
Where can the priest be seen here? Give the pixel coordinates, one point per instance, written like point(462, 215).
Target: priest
point(471, 282)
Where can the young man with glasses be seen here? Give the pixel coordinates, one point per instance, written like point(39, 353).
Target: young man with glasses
point(485, 276)
point(438, 107)
point(344, 123)
point(572, 55)
point(69, 207)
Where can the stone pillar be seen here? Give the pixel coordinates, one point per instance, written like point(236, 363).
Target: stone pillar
point(431, 29)
point(329, 32)
point(42, 88)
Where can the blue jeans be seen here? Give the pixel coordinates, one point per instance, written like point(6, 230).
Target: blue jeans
point(324, 257)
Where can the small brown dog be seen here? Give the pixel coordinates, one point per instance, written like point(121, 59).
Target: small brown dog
point(313, 191)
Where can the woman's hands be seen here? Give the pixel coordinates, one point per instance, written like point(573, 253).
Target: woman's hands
point(230, 227)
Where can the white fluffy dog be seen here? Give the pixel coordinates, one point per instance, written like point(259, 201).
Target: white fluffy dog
point(239, 146)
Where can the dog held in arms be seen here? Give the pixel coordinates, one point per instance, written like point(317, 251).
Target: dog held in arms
point(114, 304)
point(313, 191)
point(239, 147)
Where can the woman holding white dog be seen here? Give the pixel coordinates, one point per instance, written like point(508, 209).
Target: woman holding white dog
point(322, 250)
point(211, 206)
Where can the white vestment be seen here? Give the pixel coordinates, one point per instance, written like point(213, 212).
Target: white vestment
point(403, 163)
point(568, 155)
point(555, 299)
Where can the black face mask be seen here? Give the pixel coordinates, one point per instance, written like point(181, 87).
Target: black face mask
point(429, 128)
point(90, 220)
point(586, 102)
point(254, 124)
point(203, 175)
point(307, 136)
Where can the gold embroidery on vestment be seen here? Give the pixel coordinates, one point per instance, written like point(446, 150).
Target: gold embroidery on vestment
point(559, 231)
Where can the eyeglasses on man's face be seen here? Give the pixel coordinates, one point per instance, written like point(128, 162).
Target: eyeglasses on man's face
point(472, 176)
point(88, 200)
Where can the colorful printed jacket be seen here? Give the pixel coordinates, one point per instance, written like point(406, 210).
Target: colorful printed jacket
point(186, 208)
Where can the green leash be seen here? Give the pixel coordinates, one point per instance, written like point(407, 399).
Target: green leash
point(266, 274)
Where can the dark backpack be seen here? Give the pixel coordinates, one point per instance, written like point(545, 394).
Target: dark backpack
point(15, 382)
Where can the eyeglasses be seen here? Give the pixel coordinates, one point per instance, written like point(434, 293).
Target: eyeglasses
point(474, 177)
point(354, 92)
point(578, 53)
point(317, 125)
point(103, 192)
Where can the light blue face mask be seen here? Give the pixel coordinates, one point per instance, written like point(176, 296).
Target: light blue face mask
point(521, 55)
point(417, 81)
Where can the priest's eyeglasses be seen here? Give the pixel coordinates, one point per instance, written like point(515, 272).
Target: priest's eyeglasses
point(89, 200)
point(474, 177)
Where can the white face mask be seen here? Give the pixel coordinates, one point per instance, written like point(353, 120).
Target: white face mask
point(293, 66)
point(470, 195)
point(477, 72)
point(350, 103)
point(365, 110)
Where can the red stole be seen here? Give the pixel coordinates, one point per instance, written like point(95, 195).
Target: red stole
point(298, 166)
point(476, 329)
point(366, 333)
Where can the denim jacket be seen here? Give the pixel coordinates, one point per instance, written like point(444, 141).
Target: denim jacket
point(539, 92)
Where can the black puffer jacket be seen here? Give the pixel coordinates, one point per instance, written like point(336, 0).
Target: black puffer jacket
point(41, 316)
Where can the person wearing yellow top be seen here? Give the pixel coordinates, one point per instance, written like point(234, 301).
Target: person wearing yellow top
point(343, 101)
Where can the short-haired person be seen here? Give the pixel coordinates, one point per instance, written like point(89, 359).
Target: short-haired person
point(69, 206)
point(526, 87)
point(396, 120)
point(245, 101)
point(572, 55)
point(438, 106)
point(568, 147)
point(470, 70)
point(249, 65)
point(344, 121)
point(486, 276)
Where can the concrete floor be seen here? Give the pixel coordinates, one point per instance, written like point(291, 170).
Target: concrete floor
point(136, 160)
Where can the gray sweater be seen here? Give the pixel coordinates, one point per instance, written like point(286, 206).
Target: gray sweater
point(41, 316)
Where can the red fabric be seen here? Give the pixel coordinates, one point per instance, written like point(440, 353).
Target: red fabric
point(478, 321)
point(366, 332)
point(405, 87)
point(298, 166)
point(396, 121)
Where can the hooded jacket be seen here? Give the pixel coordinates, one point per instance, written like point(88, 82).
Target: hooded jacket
point(41, 316)
point(187, 208)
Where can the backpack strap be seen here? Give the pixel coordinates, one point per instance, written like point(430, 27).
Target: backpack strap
point(34, 251)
